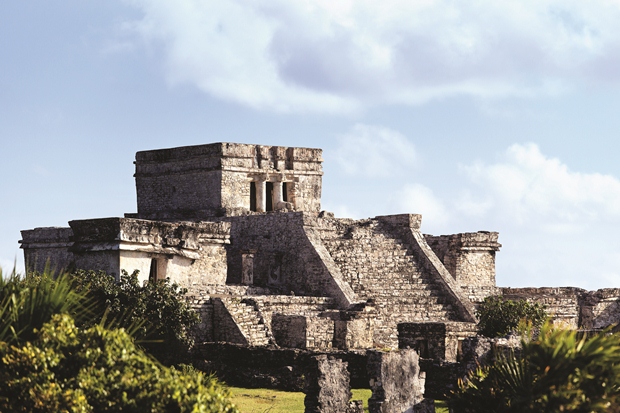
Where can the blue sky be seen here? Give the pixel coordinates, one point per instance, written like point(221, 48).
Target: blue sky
point(479, 115)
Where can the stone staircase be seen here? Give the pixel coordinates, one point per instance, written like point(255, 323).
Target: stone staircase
point(249, 321)
point(380, 267)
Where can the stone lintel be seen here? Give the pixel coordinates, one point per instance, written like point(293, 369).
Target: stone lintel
point(46, 237)
point(480, 241)
point(272, 177)
point(126, 246)
point(413, 221)
point(187, 235)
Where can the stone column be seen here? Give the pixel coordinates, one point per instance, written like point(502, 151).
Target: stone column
point(327, 386)
point(397, 383)
point(247, 267)
point(261, 196)
point(277, 194)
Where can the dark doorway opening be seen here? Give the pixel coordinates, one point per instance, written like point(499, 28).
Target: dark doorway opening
point(284, 192)
point(253, 196)
point(153, 270)
point(269, 206)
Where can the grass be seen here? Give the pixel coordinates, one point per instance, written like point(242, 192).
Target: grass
point(275, 401)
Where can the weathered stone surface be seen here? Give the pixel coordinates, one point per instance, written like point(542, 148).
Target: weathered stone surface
point(327, 386)
point(396, 382)
point(437, 341)
point(469, 257)
point(202, 181)
point(47, 246)
point(574, 307)
point(276, 368)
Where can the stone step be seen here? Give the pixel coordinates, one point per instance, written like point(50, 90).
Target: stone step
point(249, 321)
point(379, 266)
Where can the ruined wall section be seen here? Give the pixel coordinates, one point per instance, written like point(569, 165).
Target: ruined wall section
point(190, 254)
point(601, 308)
point(470, 259)
point(48, 246)
point(285, 256)
point(197, 182)
point(562, 303)
point(437, 341)
point(179, 182)
point(574, 307)
point(380, 265)
point(397, 383)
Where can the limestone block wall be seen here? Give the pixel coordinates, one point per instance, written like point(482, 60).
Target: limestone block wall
point(286, 257)
point(197, 182)
point(204, 330)
point(47, 246)
point(382, 267)
point(191, 254)
point(562, 303)
point(355, 332)
point(396, 382)
point(303, 332)
point(469, 257)
point(327, 386)
point(224, 326)
point(574, 307)
point(438, 341)
point(601, 308)
point(274, 368)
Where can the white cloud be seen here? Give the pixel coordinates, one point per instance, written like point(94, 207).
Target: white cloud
point(321, 55)
point(374, 152)
point(556, 225)
point(419, 199)
point(528, 186)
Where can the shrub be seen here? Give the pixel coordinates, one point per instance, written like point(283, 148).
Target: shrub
point(157, 311)
point(26, 303)
point(559, 371)
point(98, 370)
point(499, 317)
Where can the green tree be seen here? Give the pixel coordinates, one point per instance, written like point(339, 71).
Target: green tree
point(67, 369)
point(558, 371)
point(160, 315)
point(499, 316)
point(26, 303)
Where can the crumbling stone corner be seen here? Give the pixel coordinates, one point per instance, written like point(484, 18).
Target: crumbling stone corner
point(328, 388)
point(397, 383)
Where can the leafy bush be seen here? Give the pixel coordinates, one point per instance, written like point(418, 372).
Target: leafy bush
point(499, 317)
point(156, 310)
point(26, 303)
point(98, 370)
point(559, 371)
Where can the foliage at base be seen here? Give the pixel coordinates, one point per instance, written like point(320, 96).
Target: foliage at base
point(158, 310)
point(558, 371)
point(499, 316)
point(98, 370)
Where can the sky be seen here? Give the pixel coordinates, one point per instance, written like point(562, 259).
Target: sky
point(479, 115)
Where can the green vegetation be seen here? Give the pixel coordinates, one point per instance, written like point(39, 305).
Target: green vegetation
point(98, 370)
point(27, 303)
point(275, 401)
point(157, 312)
point(499, 317)
point(51, 363)
point(560, 370)
point(441, 406)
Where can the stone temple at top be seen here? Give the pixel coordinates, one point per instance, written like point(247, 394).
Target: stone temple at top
point(227, 179)
point(241, 227)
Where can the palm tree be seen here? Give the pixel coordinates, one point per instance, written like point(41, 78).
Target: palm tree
point(560, 370)
point(27, 302)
